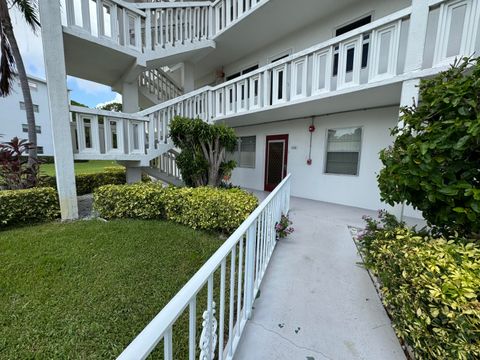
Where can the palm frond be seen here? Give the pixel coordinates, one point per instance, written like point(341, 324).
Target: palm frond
point(6, 65)
point(29, 10)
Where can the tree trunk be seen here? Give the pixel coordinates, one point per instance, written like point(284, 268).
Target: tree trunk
point(27, 98)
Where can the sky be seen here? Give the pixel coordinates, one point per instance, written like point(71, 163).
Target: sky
point(83, 91)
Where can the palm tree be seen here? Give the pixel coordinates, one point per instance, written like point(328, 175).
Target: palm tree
point(11, 63)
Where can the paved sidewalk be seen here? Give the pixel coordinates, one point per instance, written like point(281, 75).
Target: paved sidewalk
point(316, 302)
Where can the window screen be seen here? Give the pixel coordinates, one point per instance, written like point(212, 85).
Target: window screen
point(343, 151)
point(244, 153)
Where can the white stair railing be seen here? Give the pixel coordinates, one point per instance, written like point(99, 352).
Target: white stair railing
point(176, 23)
point(167, 164)
point(227, 12)
point(231, 278)
point(150, 26)
point(158, 84)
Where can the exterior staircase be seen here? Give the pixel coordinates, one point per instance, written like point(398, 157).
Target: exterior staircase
point(156, 86)
point(132, 41)
point(164, 168)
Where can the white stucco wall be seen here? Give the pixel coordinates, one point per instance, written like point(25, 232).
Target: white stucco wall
point(310, 181)
point(12, 117)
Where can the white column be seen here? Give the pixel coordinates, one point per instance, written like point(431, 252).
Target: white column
point(130, 97)
point(130, 105)
point(417, 34)
point(59, 109)
point(409, 96)
point(188, 77)
point(134, 174)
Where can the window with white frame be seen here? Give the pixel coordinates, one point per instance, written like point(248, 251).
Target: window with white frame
point(35, 107)
point(343, 151)
point(38, 128)
point(244, 153)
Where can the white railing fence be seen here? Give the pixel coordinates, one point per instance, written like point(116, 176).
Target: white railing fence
point(176, 23)
point(114, 20)
point(228, 11)
point(106, 133)
point(167, 163)
point(158, 84)
point(369, 54)
point(152, 26)
point(207, 316)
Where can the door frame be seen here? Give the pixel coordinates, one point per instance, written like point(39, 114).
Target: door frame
point(266, 186)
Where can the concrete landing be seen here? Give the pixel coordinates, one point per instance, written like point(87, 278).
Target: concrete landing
point(316, 302)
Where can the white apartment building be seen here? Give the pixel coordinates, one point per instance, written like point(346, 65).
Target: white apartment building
point(13, 121)
point(311, 87)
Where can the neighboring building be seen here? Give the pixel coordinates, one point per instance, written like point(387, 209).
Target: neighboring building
point(13, 122)
point(311, 87)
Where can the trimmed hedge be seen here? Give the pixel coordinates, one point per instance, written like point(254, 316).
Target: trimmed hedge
point(28, 206)
point(431, 288)
point(203, 208)
point(87, 183)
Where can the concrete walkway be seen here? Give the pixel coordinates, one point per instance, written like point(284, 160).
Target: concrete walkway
point(316, 302)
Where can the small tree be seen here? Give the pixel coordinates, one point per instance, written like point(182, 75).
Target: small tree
point(204, 146)
point(434, 163)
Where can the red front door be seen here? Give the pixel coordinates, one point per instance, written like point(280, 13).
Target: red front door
point(276, 154)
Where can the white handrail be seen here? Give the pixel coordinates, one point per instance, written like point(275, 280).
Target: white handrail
point(259, 228)
point(107, 113)
point(167, 5)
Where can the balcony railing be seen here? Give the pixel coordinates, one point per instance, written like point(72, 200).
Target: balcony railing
point(231, 279)
point(152, 26)
point(371, 54)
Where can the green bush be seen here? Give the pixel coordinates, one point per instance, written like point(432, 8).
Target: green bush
point(28, 206)
point(203, 208)
point(87, 183)
point(431, 288)
point(434, 161)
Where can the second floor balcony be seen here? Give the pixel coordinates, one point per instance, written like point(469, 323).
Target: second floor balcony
point(362, 68)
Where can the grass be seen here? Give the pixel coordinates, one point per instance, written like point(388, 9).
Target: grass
point(88, 167)
point(85, 289)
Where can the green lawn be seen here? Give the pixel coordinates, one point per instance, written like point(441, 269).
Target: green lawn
point(85, 289)
point(89, 167)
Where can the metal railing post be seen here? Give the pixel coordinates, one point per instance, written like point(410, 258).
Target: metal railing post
point(250, 267)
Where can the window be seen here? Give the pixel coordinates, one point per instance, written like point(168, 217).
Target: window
point(39, 150)
point(38, 128)
point(244, 153)
point(243, 72)
point(33, 85)
point(351, 53)
point(343, 151)
point(35, 107)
